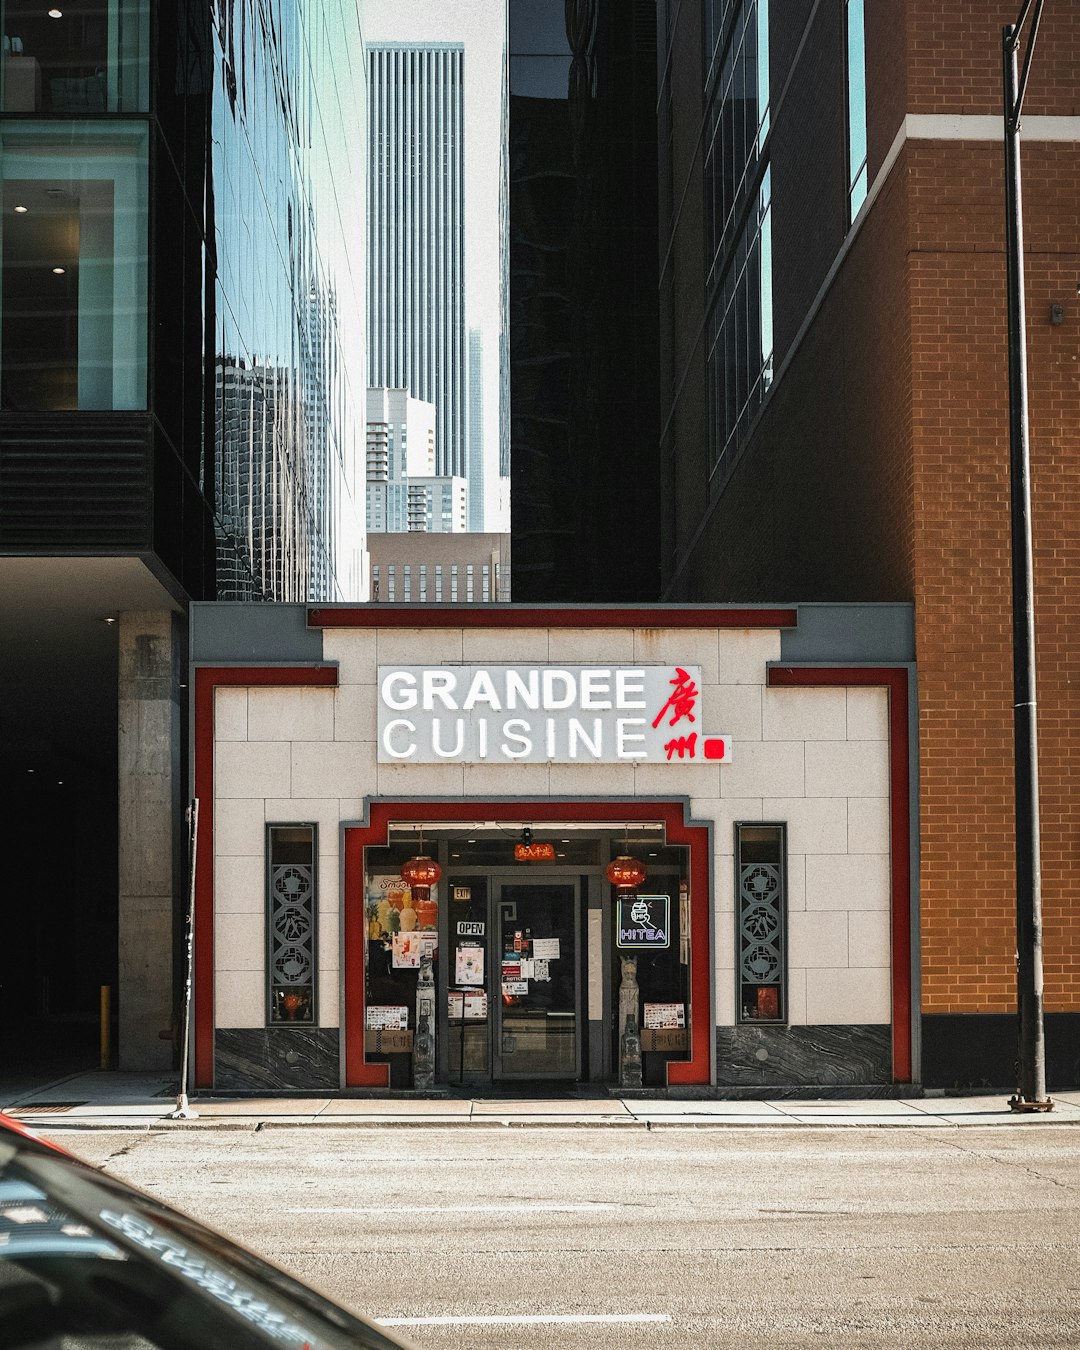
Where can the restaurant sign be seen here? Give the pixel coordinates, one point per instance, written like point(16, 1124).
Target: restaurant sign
point(544, 715)
point(643, 922)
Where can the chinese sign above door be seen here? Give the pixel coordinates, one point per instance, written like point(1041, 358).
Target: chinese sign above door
point(544, 714)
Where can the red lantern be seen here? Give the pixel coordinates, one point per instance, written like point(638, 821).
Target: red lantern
point(626, 873)
point(421, 871)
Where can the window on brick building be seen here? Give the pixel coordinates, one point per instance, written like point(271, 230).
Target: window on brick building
point(740, 331)
point(737, 120)
point(738, 209)
point(856, 105)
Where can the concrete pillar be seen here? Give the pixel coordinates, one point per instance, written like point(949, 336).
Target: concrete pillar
point(150, 834)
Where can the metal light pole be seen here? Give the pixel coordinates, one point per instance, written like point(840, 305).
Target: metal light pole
point(1031, 1083)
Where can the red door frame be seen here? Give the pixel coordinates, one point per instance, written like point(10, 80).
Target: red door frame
point(697, 1069)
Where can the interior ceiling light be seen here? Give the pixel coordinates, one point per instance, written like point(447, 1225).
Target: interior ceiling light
point(21, 210)
point(58, 271)
point(56, 13)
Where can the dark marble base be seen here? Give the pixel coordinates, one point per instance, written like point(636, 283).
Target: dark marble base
point(276, 1058)
point(978, 1050)
point(796, 1092)
point(803, 1057)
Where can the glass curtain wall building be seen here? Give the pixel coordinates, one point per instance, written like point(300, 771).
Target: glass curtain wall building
point(253, 142)
point(287, 301)
point(182, 393)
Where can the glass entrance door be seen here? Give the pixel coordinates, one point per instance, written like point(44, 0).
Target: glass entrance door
point(535, 980)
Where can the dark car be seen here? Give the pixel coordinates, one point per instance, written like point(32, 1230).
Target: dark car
point(88, 1263)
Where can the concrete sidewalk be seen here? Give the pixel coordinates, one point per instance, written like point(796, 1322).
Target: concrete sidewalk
point(110, 1101)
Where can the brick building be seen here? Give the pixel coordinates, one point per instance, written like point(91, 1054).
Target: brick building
point(834, 414)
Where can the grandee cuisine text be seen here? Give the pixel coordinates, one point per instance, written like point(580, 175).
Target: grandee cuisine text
point(543, 714)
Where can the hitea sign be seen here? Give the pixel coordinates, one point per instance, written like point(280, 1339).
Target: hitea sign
point(543, 714)
point(643, 922)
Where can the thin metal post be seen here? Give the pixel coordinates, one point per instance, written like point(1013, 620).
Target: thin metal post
point(184, 1110)
point(1031, 1080)
point(105, 1028)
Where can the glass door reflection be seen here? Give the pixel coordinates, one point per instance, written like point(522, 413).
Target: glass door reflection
point(535, 986)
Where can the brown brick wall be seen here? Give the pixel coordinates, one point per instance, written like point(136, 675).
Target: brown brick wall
point(954, 56)
point(962, 566)
point(879, 467)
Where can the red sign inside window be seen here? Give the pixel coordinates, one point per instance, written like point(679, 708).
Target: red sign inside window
point(534, 852)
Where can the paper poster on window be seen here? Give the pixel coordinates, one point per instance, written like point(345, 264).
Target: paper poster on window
point(662, 1015)
point(387, 1019)
point(469, 965)
point(515, 986)
point(541, 971)
point(406, 951)
point(546, 948)
point(461, 1003)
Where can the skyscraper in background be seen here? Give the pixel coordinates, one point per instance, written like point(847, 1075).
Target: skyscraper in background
point(416, 234)
point(436, 226)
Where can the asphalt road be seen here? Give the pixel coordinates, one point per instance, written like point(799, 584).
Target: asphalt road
point(674, 1238)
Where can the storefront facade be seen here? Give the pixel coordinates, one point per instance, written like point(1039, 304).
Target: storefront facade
point(458, 848)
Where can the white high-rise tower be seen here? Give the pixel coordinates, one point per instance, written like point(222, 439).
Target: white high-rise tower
point(436, 223)
point(416, 234)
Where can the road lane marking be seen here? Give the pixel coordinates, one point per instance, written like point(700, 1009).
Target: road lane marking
point(520, 1319)
point(585, 1207)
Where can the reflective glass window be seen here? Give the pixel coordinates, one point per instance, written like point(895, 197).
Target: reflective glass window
point(740, 352)
point(73, 265)
point(856, 71)
point(76, 57)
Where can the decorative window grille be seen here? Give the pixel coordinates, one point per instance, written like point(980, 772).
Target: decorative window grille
point(291, 909)
point(761, 912)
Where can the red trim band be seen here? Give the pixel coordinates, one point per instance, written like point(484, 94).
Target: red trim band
point(696, 1069)
point(509, 616)
point(895, 680)
point(207, 680)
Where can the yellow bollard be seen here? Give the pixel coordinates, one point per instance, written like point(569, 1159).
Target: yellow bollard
point(106, 1026)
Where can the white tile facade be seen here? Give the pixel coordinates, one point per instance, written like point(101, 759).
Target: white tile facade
point(815, 759)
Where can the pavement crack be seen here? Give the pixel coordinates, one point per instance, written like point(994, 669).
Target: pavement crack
point(1005, 1162)
point(120, 1152)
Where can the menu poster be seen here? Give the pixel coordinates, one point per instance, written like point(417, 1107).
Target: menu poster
point(546, 949)
point(406, 950)
point(663, 1015)
point(387, 1019)
point(468, 1006)
point(469, 965)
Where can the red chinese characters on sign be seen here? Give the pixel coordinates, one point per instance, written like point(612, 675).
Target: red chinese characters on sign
point(690, 744)
point(683, 746)
point(681, 701)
